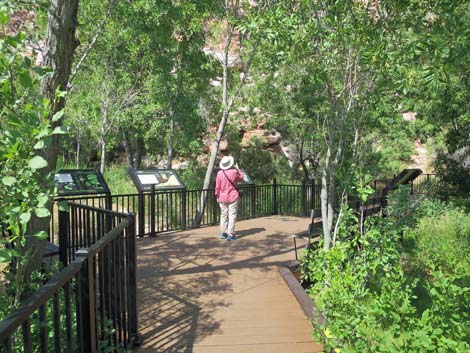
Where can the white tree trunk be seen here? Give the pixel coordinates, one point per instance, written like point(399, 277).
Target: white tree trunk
point(77, 151)
point(223, 122)
point(327, 195)
point(170, 141)
point(325, 199)
point(103, 155)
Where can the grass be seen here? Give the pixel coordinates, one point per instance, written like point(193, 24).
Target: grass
point(119, 181)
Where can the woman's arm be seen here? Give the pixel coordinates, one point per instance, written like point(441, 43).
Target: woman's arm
point(217, 185)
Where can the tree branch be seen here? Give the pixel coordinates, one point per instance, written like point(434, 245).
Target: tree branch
point(90, 47)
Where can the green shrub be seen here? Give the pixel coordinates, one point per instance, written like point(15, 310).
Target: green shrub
point(402, 286)
point(444, 242)
point(119, 181)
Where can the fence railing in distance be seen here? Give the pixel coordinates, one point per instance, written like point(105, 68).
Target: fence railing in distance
point(163, 211)
point(89, 303)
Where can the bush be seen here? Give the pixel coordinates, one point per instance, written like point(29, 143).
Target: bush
point(402, 286)
point(119, 181)
point(443, 242)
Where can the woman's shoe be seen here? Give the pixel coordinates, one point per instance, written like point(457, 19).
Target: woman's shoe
point(231, 237)
point(223, 236)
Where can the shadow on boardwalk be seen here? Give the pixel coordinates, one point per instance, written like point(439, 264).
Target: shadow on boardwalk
point(198, 293)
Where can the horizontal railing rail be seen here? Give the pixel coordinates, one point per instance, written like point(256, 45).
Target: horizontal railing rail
point(91, 302)
point(172, 210)
point(81, 225)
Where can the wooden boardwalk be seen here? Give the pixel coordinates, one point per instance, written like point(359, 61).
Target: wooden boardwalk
point(200, 294)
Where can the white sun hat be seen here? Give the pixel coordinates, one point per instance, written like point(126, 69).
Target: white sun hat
point(226, 162)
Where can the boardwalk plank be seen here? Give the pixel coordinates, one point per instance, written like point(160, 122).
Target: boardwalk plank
point(200, 294)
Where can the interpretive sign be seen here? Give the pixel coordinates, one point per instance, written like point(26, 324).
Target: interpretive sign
point(246, 179)
point(71, 182)
point(162, 179)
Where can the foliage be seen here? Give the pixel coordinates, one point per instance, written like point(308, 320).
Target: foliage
point(192, 176)
point(453, 171)
point(142, 85)
point(258, 162)
point(401, 286)
point(119, 181)
point(106, 344)
point(24, 135)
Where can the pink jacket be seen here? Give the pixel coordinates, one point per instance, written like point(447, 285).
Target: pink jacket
point(224, 190)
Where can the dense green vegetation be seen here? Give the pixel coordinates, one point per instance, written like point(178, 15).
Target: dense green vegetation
point(152, 82)
point(400, 285)
point(24, 191)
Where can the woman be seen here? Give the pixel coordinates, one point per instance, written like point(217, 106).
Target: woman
point(227, 194)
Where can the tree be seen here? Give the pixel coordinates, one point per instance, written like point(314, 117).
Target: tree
point(155, 49)
point(231, 88)
point(59, 47)
point(323, 51)
point(438, 84)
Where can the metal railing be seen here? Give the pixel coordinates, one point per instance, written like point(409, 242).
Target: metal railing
point(92, 301)
point(423, 183)
point(81, 226)
point(164, 211)
point(173, 210)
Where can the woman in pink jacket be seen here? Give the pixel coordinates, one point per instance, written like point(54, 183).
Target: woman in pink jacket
point(228, 195)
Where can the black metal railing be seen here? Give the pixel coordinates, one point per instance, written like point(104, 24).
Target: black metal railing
point(162, 211)
point(91, 302)
point(80, 226)
point(424, 183)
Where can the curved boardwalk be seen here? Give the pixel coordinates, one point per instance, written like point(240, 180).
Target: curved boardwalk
point(200, 294)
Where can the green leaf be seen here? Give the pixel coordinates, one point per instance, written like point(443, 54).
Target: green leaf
point(37, 162)
point(42, 200)
point(60, 130)
point(15, 253)
point(8, 180)
point(4, 18)
point(5, 256)
point(25, 79)
point(41, 212)
point(25, 217)
point(58, 115)
point(42, 133)
point(41, 235)
point(39, 145)
point(60, 94)
point(63, 206)
point(41, 71)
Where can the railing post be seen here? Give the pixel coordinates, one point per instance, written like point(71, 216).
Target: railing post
point(253, 200)
point(303, 197)
point(108, 202)
point(274, 197)
point(63, 232)
point(108, 206)
point(132, 267)
point(183, 209)
point(152, 210)
point(6, 346)
point(87, 324)
point(312, 194)
point(214, 209)
point(141, 202)
point(383, 204)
